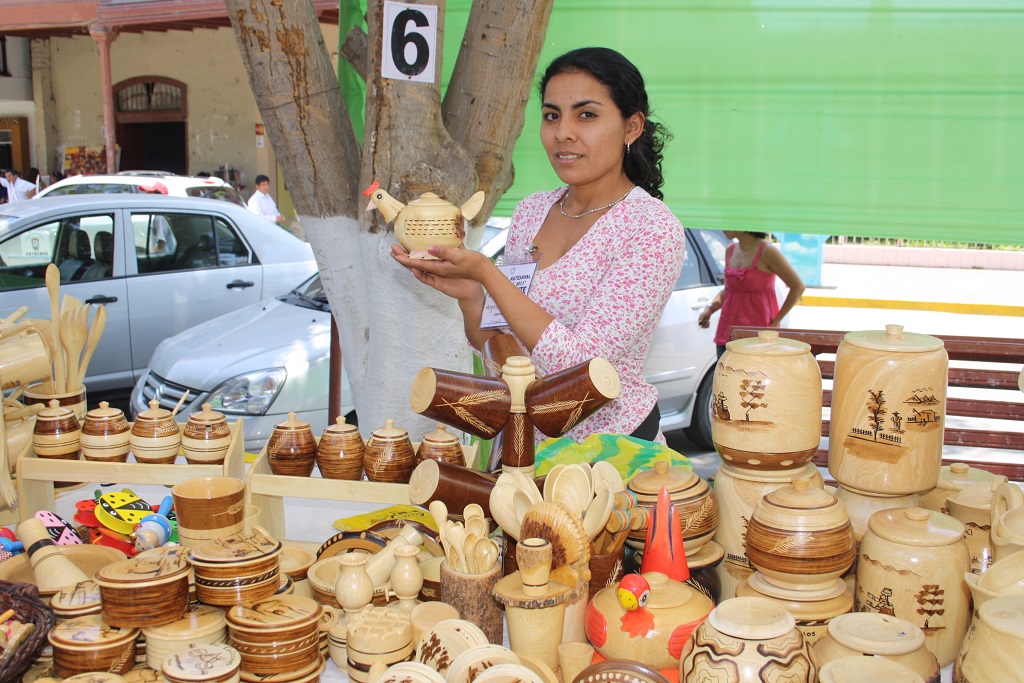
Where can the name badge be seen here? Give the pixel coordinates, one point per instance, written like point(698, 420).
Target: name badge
point(521, 275)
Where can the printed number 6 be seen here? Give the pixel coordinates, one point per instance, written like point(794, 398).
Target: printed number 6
point(400, 39)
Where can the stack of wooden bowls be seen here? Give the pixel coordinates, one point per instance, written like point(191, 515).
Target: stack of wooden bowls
point(766, 426)
point(146, 590)
point(238, 569)
point(277, 636)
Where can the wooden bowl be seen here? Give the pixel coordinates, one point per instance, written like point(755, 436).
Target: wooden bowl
point(210, 507)
point(88, 558)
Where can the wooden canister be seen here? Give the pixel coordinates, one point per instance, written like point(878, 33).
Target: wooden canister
point(57, 433)
point(389, 455)
point(206, 663)
point(276, 635)
point(155, 437)
point(339, 455)
point(206, 437)
point(238, 569)
point(881, 636)
point(911, 565)
point(377, 634)
point(558, 402)
point(478, 405)
point(144, 591)
point(77, 600)
point(737, 491)
point(88, 644)
point(291, 448)
point(888, 412)
point(471, 595)
point(813, 610)
point(694, 502)
point(106, 434)
point(442, 446)
point(201, 625)
point(766, 403)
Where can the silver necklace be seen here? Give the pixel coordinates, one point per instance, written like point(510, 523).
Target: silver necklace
point(561, 205)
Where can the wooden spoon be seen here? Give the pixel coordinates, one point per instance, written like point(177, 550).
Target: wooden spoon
point(99, 322)
point(468, 546)
point(486, 551)
point(59, 369)
point(457, 536)
point(472, 510)
point(478, 526)
point(439, 511)
point(73, 336)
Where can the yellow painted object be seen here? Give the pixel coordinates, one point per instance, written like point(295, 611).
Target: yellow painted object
point(409, 513)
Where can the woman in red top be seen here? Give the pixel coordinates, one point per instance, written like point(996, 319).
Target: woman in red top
point(748, 298)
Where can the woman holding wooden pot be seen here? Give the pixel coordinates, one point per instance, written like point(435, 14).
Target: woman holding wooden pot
point(607, 249)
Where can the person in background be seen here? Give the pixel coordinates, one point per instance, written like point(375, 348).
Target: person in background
point(18, 189)
point(262, 204)
point(608, 250)
point(748, 298)
point(161, 237)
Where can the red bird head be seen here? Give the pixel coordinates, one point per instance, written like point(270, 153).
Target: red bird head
point(634, 591)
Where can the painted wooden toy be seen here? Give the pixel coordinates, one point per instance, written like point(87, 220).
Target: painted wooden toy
point(426, 221)
point(61, 531)
point(121, 510)
point(154, 529)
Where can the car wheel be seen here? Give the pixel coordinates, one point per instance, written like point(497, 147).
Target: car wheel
point(699, 431)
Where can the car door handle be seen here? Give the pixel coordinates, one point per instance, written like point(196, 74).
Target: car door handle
point(701, 304)
point(101, 300)
point(240, 284)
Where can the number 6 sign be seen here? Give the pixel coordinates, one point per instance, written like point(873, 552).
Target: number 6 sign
point(409, 41)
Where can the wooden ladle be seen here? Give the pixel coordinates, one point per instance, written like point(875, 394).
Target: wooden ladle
point(74, 333)
point(53, 289)
point(99, 322)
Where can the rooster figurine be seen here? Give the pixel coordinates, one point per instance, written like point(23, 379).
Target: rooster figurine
point(426, 221)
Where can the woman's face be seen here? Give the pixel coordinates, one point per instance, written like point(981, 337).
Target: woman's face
point(583, 131)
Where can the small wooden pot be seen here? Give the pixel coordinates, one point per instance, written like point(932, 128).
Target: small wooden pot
point(242, 568)
point(813, 610)
point(201, 625)
point(77, 600)
point(43, 392)
point(282, 618)
point(206, 437)
point(57, 434)
point(992, 651)
point(155, 437)
point(291, 448)
point(339, 455)
point(953, 478)
point(377, 634)
point(204, 663)
point(441, 446)
point(88, 644)
point(106, 434)
point(389, 455)
point(209, 508)
point(881, 636)
point(695, 503)
point(147, 591)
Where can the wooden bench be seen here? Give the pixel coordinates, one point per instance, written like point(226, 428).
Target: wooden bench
point(998, 450)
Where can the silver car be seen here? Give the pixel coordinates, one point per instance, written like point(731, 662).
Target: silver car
point(159, 265)
point(270, 359)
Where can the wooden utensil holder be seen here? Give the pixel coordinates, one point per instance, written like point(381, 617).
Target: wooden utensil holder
point(267, 490)
point(37, 475)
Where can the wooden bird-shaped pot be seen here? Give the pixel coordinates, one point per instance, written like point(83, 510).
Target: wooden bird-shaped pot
point(428, 220)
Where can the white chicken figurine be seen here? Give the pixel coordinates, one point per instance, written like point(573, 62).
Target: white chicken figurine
point(428, 220)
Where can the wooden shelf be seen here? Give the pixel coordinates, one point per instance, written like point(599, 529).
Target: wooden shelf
point(267, 490)
point(36, 475)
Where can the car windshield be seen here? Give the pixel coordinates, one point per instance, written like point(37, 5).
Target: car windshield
point(310, 294)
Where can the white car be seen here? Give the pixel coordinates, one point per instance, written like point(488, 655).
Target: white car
point(132, 182)
point(159, 265)
point(267, 360)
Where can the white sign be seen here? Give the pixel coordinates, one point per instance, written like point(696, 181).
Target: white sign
point(409, 42)
point(521, 275)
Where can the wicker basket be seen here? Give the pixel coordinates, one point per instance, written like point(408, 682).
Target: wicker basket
point(23, 598)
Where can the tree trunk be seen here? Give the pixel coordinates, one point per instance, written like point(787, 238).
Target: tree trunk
point(389, 324)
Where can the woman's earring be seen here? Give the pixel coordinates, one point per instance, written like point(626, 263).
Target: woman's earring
point(627, 146)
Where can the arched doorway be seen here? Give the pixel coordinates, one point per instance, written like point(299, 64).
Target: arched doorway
point(152, 124)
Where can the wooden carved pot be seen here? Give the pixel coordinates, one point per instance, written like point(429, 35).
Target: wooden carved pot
point(389, 455)
point(57, 433)
point(882, 636)
point(291, 448)
point(888, 412)
point(206, 437)
point(953, 478)
point(155, 437)
point(800, 538)
point(339, 455)
point(695, 503)
point(911, 565)
point(992, 649)
point(973, 507)
point(747, 640)
point(442, 446)
point(766, 403)
point(106, 434)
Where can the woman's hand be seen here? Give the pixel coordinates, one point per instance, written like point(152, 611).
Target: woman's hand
point(452, 273)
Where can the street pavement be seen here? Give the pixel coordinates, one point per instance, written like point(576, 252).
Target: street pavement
point(943, 301)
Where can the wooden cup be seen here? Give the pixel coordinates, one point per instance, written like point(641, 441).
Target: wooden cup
point(209, 507)
point(472, 595)
point(42, 392)
point(574, 658)
point(24, 358)
point(533, 555)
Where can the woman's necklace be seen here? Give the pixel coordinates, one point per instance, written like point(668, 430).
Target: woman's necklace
point(561, 205)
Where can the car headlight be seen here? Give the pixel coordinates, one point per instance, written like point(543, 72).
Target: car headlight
point(248, 394)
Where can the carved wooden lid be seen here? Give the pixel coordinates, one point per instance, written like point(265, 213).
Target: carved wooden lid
point(76, 598)
point(207, 662)
point(88, 632)
point(751, 618)
point(390, 431)
point(768, 343)
point(858, 669)
point(55, 411)
point(95, 677)
point(104, 412)
point(155, 412)
point(151, 569)
point(804, 605)
point(276, 612)
point(666, 592)
point(801, 507)
point(341, 427)
point(207, 416)
point(916, 526)
point(291, 424)
point(441, 435)
point(1005, 615)
point(959, 474)
point(876, 634)
point(200, 621)
point(893, 338)
point(240, 547)
point(379, 629)
point(675, 479)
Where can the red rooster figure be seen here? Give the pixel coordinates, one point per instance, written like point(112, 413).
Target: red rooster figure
point(663, 550)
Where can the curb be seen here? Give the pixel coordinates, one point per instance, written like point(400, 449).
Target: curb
point(889, 304)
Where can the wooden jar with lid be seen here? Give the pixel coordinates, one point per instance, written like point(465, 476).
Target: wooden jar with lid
point(206, 663)
point(155, 437)
point(442, 446)
point(276, 635)
point(389, 455)
point(145, 590)
point(206, 437)
point(201, 625)
point(695, 503)
point(766, 403)
point(57, 433)
point(377, 634)
point(340, 452)
point(241, 568)
point(106, 434)
point(87, 644)
point(880, 636)
point(291, 448)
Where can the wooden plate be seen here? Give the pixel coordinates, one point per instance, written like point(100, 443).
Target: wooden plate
point(447, 641)
point(508, 673)
point(347, 541)
point(468, 666)
point(410, 672)
point(619, 671)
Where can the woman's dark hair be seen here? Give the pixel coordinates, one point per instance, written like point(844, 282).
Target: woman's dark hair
point(643, 162)
point(762, 235)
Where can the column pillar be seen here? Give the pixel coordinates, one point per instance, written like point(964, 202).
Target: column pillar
point(104, 36)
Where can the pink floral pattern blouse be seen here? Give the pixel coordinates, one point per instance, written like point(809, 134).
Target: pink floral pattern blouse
point(606, 295)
